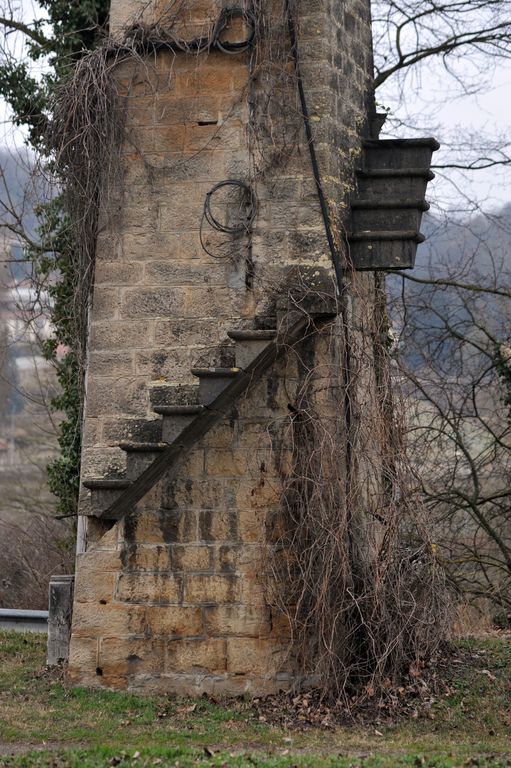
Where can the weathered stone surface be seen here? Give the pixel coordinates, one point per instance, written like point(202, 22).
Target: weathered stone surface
point(197, 655)
point(59, 618)
point(212, 590)
point(149, 588)
point(95, 586)
point(238, 620)
point(256, 656)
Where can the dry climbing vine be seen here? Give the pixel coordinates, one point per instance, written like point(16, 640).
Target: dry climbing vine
point(351, 563)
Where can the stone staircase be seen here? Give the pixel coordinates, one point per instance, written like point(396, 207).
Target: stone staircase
point(189, 411)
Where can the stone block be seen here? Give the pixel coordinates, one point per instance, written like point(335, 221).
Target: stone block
point(95, 560)
point(254, 589)
point(184, 492)
point(206, 167)
point(281, 625)
point(218, 525)
point(105, 302)
point(127, 396)
point(211, 590)
point(91, 432)
point(151, 303)
point(144, 588)
point(118, 273)
point(252, 525)
point(101, 620)
point(120, 335)
point(184, 273)
point(83, 657)
point(172, 621)
point(171, 364)
point(194, 464)
point(181, 215)
point(223, 435)
point(240, 558)
point(196, 655)
point(111, 363)
point(138, 557)
point(212, 302)
point(226, 463)
point(256, 657)
point(60, 607)
point(191, 558)
point(119, 657)
point(190, 333)
point(177, 526)
point(144, 430)
point(258, 493)
point(238, 620)
point(95, 587)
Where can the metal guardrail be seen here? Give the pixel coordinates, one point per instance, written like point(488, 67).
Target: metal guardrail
point(23, 621)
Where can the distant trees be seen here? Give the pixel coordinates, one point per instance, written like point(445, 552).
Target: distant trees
point(453, 360)
point(452, 314)
point(57, 38)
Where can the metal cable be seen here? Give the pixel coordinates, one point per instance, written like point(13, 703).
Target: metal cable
point(137, 37)
point(226, 16)
point(242, 226)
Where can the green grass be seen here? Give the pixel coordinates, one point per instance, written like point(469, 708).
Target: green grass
point(43, 723)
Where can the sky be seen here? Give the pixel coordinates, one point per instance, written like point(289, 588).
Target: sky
point(433, 105)
point(487, 113)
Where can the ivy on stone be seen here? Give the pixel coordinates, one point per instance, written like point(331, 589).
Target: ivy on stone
point(68, 32)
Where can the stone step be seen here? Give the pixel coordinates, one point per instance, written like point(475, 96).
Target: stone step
point(402, 184)
point(104, 491)
point(139, 456)
point(176, 418)
point(398, 153)
point(385, 215)
point(250, 343)
point(173, 394)
point(384, 250)
point(212, 381)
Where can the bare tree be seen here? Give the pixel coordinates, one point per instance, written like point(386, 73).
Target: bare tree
point(454, 362)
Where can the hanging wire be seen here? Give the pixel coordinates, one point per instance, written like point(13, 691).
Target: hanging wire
point(245, 221)
point(140, 38)
point(228, 15)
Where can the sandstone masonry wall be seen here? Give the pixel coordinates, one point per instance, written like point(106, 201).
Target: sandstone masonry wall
point(177, 597)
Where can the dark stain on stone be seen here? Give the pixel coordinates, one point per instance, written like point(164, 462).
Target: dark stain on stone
point(233, 525)
point(233, 417)
point(205, 525)
point(129, 556)
point(226, 558)
point(229, 494)
point(129, 545)
point(307, 358)
point(130, 526)
point(158, 363)
point(168, 520)
point(272, 386)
